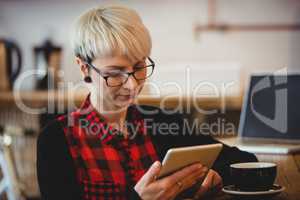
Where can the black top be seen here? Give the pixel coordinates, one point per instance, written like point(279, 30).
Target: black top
point(56, 170)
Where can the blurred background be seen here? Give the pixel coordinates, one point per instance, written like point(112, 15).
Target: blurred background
point(220, 42)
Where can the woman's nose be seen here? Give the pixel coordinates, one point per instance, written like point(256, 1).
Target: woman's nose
point(131, 83)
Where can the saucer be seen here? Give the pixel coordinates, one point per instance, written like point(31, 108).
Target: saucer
point(233, 191)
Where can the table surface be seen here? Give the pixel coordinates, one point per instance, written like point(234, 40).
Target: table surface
point(288, 173)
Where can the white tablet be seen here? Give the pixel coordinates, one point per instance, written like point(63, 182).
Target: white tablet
point(178, 158)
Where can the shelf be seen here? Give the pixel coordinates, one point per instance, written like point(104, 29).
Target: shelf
point(38, 99)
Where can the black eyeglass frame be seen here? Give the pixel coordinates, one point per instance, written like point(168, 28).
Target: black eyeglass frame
point(152, 65)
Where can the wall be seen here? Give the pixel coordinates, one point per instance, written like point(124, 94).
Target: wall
point(171, 25)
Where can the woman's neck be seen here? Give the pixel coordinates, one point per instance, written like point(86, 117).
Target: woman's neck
point(115, 117)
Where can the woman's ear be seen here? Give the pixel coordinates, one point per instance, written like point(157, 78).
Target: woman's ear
point(83, 66)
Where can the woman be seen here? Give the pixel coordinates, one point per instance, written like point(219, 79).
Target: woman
point(110, 148)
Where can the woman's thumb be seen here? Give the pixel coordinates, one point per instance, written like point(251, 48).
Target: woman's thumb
point(152, 172)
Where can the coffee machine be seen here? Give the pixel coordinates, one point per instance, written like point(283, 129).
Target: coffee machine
point(10, 64)
point(47, 62)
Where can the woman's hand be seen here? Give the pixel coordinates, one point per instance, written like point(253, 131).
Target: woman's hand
point(211, 185)
point(168, 187)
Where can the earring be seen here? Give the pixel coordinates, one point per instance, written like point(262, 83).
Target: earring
point(87, 79)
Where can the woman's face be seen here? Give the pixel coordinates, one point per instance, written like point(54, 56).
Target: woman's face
point(116, 97)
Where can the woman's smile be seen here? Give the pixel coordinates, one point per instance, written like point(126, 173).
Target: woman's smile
point(126, 97)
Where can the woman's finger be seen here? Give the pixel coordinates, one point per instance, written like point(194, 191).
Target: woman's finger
point(205, 186)
point(152, 173)
point(186, 183)
point(148, 177)
point(181, 174)
point(194, 178)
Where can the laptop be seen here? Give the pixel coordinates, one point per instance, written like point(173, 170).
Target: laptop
point(270, 115)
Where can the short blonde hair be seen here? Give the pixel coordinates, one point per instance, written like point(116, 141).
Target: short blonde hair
point(111, 31)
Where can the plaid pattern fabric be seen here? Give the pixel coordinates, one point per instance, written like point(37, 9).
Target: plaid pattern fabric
point(107, 164)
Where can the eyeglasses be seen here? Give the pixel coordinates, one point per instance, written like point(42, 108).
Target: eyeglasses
point(114, 78)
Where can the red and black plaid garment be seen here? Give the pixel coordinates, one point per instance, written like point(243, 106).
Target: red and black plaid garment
point(108, 165)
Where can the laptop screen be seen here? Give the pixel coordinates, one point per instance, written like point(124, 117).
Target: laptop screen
point(271, 108)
